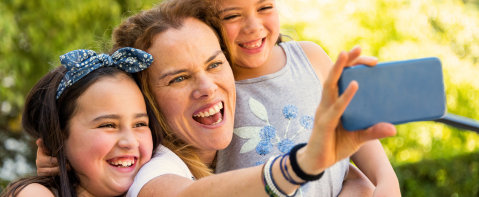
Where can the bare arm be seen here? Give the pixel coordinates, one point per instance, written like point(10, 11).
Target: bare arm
point(356, 184)
point(35, 189)
point(243, 182)
point(372, 160)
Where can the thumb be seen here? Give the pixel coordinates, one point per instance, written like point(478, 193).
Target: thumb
point(378, 131)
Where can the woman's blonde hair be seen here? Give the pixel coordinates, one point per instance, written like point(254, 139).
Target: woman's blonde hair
point(138, 31)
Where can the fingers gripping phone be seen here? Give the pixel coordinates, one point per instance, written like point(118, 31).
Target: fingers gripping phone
point(395, 92)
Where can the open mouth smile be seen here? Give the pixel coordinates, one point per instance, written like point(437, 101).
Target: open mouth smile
point(210, 116)
point(253, 44)
point(122, 162)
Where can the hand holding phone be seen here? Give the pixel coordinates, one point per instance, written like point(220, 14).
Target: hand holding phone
point(395, 92)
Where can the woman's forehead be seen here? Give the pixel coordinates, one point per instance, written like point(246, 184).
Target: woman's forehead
point(192, 44)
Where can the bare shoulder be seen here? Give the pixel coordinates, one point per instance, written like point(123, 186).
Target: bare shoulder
point(165, 185)
point(320, 61)
point(35, 189)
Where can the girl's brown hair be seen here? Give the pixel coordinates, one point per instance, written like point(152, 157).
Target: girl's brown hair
point(138, 31)
point(47, 118)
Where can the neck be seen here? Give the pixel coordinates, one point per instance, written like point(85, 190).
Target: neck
point(82, 192)
point(207, 157)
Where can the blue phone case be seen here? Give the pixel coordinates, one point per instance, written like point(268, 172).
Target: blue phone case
point(395, 92)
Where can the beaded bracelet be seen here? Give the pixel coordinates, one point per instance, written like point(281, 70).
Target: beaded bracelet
point(294, 164)
point(270, 186)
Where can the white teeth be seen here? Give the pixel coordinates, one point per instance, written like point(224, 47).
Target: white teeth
point(252, 45)
point(122, 164)
point(212, 111)
point(219, 120)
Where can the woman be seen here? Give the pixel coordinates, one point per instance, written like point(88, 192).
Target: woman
point(191, 77)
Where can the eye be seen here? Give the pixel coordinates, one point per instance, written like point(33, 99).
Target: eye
point(140, 124)
point(231, 17)
point(177, 79)
point(265, 8)
point(109, 125)
point(214, 65)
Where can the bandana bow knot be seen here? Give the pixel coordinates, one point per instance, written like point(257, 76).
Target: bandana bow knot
point(81, 62)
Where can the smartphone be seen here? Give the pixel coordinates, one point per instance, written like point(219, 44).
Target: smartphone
point(396, 92)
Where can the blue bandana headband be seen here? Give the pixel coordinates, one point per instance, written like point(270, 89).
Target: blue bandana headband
point(80, 63)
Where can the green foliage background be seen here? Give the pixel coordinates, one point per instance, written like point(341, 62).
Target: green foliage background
point(430, 159)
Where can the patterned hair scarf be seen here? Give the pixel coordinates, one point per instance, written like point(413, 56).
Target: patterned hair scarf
point(80, 63)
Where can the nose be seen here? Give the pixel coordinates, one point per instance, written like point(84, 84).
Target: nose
point(128, 139)
point(252, 25)
point(206, 87)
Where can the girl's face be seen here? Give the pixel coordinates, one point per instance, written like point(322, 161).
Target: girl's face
point(193, 85)
point(109, 138)
point(252, 27)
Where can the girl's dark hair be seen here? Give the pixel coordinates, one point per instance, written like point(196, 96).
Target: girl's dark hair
point(47, 118)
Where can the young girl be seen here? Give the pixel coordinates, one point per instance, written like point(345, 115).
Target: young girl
point(93, 117)
point(279, 85)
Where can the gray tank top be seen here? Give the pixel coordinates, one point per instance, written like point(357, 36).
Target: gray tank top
point(275, 112)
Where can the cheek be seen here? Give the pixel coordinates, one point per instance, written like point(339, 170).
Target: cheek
point(232, 31)
point(172, 104)
point(273, 24)
point(83, 152)
point(146, 146)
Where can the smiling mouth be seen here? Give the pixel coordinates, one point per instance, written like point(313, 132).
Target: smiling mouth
point(210, 116)
point(252, 45)
point(122, 162)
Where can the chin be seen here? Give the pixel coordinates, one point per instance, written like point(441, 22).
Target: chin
point(223, 142)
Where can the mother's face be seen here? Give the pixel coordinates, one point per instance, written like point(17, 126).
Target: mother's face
point(193, 85)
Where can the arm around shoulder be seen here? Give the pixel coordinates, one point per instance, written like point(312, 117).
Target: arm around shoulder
point(318, 58)
point(35, 189)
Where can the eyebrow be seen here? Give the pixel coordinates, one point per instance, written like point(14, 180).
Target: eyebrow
point(172, 73)
point(237, 8)
point(213, 56)
point(116, 117)
point(140, 115)
point(184, 70)
point(109, 116)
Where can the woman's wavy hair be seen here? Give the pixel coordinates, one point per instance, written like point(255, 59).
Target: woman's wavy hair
point(139, 30)
point(45, 117)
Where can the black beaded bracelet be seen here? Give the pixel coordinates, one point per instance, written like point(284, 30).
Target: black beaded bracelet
point(297, 169)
